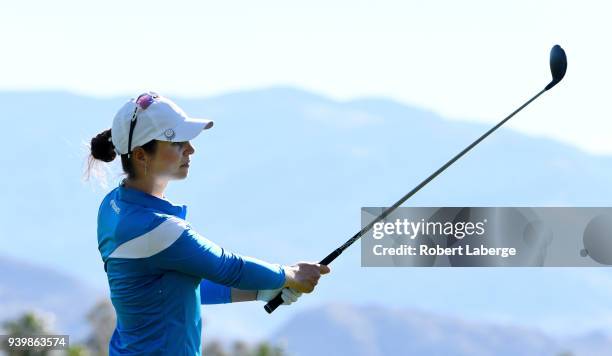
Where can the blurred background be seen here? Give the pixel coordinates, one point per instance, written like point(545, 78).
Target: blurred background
point(320, 108)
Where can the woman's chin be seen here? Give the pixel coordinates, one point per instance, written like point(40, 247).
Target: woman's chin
point(182, 173)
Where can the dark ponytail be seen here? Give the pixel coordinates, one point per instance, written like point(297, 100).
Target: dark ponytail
point(102, 147)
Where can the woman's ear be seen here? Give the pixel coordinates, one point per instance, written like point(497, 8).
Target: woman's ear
point(139, 155)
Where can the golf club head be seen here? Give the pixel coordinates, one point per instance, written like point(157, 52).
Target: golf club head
point(558, 65)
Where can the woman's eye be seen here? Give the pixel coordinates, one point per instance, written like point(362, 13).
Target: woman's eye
point(180, 144)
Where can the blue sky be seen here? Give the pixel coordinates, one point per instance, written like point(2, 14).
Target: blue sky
point(469, 60)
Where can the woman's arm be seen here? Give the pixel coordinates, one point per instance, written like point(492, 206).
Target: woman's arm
point(193, 254)
point(241, 295)
point(289, 295)
point(213, 293)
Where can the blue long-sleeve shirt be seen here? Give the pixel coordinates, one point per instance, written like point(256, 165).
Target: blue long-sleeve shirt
point(160, 270)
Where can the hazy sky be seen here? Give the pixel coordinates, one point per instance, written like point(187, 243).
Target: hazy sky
point(475, 60)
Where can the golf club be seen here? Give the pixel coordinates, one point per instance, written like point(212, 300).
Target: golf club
point(558, 66)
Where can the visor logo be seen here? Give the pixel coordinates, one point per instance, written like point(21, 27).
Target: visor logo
point(169, 133)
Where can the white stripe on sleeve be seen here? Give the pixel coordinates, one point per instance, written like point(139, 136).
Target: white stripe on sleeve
point(152, 242)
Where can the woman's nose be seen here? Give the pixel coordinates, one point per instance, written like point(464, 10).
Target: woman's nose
point(190, 149)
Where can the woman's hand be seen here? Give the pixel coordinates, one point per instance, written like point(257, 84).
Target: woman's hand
point(304, 276)
point(289, 295)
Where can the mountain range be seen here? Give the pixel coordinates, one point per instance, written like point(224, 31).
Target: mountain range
point(282, 177)
point(347, 330)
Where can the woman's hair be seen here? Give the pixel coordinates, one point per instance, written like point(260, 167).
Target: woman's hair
point(102, 149)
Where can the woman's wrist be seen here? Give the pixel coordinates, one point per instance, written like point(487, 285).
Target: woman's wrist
point(289, 276)
point(241, 295)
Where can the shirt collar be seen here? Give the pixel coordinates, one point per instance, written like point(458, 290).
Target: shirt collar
point(138, 197)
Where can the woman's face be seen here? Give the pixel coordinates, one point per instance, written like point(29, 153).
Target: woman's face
point(171, 160)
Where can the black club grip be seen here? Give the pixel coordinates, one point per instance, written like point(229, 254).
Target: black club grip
point(278, 300)
point(274, 303)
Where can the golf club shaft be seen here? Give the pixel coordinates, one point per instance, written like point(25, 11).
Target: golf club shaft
point(278, 300)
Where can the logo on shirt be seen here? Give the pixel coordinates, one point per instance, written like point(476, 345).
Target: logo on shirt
point(114, 206)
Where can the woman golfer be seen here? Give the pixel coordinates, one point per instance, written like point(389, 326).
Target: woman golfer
point(159, 269)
